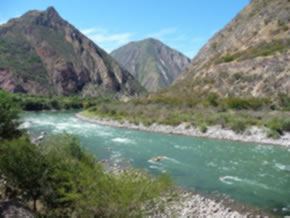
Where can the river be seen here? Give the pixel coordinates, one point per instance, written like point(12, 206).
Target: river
point(255, 174)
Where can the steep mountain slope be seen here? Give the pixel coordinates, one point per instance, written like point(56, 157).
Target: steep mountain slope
point(40, 53)
point(249, 57)
point(152, 63)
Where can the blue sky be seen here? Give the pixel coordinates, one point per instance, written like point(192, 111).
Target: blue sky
point(185, 25)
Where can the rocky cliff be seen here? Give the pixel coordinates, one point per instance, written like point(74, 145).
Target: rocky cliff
point(41, 53)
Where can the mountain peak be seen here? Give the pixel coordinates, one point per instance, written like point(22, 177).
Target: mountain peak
point(150, 39)
point(154, 64)
point(51, 11)
point(44, 43)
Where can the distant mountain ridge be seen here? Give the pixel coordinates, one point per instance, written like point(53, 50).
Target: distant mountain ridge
point(152, 63)
point(249, 57)
point(42, 54)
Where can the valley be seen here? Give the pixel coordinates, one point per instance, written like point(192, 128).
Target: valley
point(95, 123)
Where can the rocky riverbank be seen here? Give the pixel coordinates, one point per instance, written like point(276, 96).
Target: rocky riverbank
point(182, 203)
point(254, 134)
point(189, 204)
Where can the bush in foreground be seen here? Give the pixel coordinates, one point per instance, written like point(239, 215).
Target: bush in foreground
point(59, 175)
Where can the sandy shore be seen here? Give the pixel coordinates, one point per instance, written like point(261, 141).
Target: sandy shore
point(254, 134)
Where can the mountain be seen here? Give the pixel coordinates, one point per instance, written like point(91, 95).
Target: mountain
point(42, 54)
point(151, 62)
point(249, 57)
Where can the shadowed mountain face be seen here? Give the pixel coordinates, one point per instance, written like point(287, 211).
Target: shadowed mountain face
point(40, 53)
point(152, 63)
point(249, 57)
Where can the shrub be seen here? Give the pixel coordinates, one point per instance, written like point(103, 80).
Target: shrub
point(246, 103)
point(273, 134)
point(284, 101)
point(69, 182)
point(24, 168)
point(55, 104)
point(238, 125)
point(275, 125)
point(203, 128)
point(228, 58)
point(213, 99)
point(9, 113)
point(286, 125)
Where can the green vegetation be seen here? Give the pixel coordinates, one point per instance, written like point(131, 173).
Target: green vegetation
point(18, 56)
point(246, 103)
point(278, 125)
point(23, 168)
point(233, 112)
point(38, 103)
point(203, 128)
point(228, 58)
point(58, 178)
point(284, 101)
point(63, 179)
point(8, 117)
point(263, 49)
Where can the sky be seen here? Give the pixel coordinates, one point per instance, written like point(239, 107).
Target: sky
point(185, 25)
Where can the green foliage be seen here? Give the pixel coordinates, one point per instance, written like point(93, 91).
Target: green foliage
point(38, 103)
point(8, 117)
point(286, 125)
point(273, 134)
point(266, 49)
point(24, 168)
point(246, 103)
point(279, 125)
point(17, 55)
point(233, 112)
point(203, 128)
point(67, 162)
point(68, 181)
point(213, 99)
point(228, 58)
point(284, 101)
point(263, 49)
point(238, 125)
point(275, 125)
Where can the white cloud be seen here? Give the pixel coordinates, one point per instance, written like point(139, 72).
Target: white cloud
point(163, 33)
point(106, 39)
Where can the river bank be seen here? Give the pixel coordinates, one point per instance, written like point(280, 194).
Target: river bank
point(254, 134)
point(183, 203)
point(193, 163)
point(189, 204)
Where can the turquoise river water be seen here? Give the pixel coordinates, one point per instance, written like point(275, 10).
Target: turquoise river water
point(250, 173)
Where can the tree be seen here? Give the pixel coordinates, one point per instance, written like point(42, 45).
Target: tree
point(24, 168)
point(68, 181)
point(8, 117)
